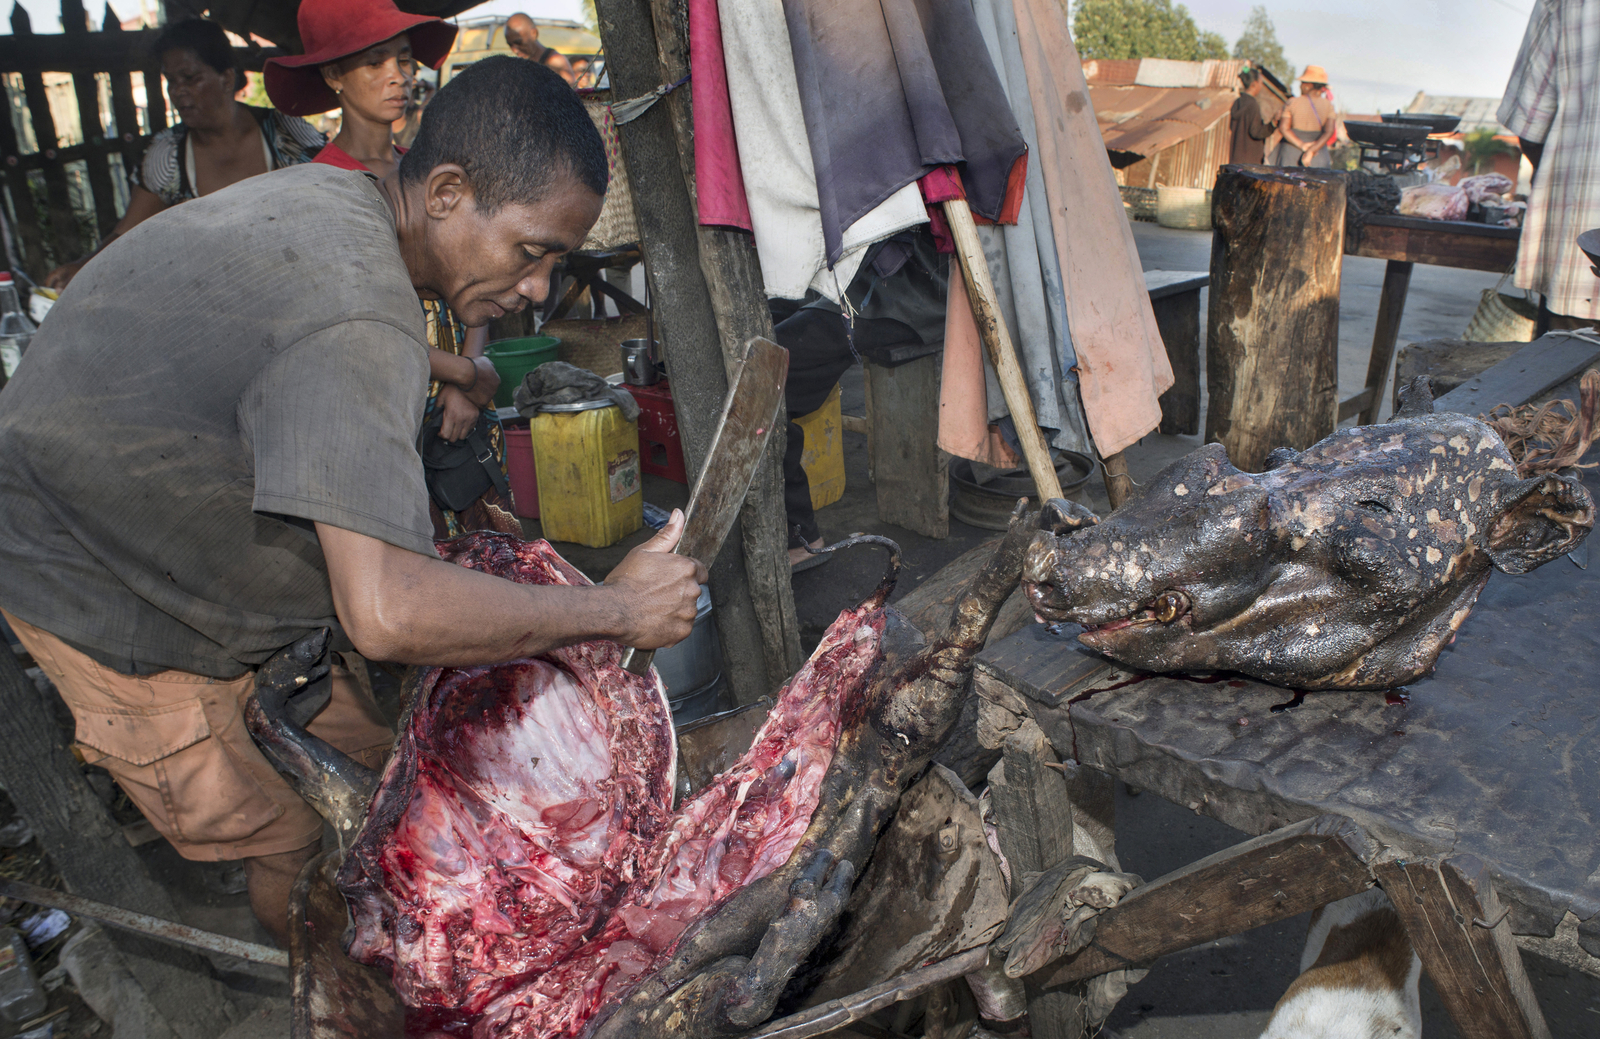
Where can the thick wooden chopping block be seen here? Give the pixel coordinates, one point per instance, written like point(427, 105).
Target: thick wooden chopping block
point(1272, 337)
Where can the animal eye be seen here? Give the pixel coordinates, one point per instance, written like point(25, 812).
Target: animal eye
point(1373, 505)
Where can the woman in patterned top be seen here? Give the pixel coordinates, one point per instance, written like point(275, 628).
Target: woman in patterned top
point(361, 56)
point(219, 142)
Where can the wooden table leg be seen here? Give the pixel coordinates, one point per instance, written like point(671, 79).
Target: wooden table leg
point(1033, 813)
point(1391, 305)
point(1269, 878)
point(1463, 937)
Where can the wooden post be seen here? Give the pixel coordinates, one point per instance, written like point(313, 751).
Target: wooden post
point(732, 271)
point(1391, 305)
point(997, 339)
point(87, 848)
point(1272, 344)
point(756, 656)
point(58, 200)
point(1118, 483)
point(1033, 813)
point(1462, 934)
point(913, 475)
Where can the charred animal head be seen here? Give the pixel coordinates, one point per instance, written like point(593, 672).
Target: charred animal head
point(1348, 565)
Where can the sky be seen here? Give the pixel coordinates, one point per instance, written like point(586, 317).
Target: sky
point(1378, 53)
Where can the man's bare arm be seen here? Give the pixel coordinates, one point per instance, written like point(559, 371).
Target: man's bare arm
point(408, 608)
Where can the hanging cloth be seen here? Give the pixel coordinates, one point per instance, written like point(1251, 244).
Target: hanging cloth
point(1121, 363)
point(891, 89)
point(775, 161)
point(718, 183)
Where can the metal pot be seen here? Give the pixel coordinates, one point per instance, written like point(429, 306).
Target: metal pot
point(640, 362)
point(696, 662)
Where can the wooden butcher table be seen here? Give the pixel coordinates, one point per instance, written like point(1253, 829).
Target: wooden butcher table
point(1406, 241)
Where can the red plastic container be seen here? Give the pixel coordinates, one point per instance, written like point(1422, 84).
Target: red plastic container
point(519, 470)
point(660, 450)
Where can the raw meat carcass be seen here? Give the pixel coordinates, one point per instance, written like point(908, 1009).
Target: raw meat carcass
point(1434, 202)
point(1487, 187)
point(521, 873)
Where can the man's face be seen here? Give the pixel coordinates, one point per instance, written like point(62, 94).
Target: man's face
point(487, 266)
point(522, 35)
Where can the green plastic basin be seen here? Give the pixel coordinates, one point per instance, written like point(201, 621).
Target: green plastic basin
point(515, 358)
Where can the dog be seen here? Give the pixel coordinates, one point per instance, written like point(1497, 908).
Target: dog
point(1358, 976)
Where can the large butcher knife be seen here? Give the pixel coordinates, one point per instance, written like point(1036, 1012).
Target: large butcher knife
point(747, 417)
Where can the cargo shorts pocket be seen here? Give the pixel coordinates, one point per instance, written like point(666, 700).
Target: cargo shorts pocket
point(184, 777)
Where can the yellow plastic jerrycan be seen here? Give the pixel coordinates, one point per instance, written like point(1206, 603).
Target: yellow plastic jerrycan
point(823, 457)
point(587, 458)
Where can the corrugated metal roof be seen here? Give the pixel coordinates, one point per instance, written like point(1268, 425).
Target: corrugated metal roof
point(1143, 120)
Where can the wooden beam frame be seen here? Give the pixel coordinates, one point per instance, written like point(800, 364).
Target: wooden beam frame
point(1462, 934)
point(1261, 881)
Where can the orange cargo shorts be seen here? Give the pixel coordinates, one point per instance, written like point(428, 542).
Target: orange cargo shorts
point(177, 745)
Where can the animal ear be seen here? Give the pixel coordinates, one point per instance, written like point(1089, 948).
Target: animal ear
point(1060, 516)
point(1539, 520)
point(1416, 399)
point(1279, 456)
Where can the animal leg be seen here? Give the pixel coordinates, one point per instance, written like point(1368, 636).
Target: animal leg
point(817, 897)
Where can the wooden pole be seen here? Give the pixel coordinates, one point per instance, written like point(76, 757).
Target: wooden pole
point(1272, 343)
point(87, 848)
point(997, 340)
point(732, 271)
point(756, 656)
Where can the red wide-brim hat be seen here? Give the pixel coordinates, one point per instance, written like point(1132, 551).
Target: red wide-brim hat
point(334, 29)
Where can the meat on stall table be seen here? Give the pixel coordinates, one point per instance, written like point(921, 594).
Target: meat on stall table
point(518, 881)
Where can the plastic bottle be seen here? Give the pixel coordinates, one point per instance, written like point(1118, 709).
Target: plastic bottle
point(21, 997)
point(16, 328)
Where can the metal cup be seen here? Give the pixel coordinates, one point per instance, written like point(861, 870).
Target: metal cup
point(639, 367)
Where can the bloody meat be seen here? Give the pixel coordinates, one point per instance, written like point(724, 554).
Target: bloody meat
point(521, 868)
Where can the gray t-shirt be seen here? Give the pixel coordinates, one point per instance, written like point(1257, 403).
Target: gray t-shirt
point(227, 372)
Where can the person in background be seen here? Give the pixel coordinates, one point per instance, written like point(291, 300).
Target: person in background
point(405, 128)
point(1549, 105)
point(219, 141)
point(361, 56)
point(1250, 131)
point(1307, 123)
point(522, 36)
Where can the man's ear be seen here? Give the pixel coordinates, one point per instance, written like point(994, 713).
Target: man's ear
point(1538, 520)
point(446, 190)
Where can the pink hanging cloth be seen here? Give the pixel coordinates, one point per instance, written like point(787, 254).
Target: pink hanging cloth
point(718, 184)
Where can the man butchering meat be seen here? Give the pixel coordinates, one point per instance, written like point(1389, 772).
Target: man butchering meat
point(210, 452)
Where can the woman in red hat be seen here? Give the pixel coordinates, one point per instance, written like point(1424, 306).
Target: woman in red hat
point(219, 141)
point(361, 57)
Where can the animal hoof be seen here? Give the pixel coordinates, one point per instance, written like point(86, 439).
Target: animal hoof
point(1060, 516)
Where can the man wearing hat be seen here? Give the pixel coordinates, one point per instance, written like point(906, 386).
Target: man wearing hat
point(1307, 123)
point(209, 453)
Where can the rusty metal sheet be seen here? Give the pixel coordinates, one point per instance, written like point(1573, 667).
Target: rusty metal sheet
point(1145, 120)
point(1497, 754)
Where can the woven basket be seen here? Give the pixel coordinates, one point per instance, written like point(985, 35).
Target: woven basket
point(1184, 208)
point(1501, 318)
point(616, 226)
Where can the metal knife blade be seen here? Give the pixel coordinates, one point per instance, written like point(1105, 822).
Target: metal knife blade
point(748, 414)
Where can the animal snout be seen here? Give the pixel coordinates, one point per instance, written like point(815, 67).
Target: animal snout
point(1039, 565)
